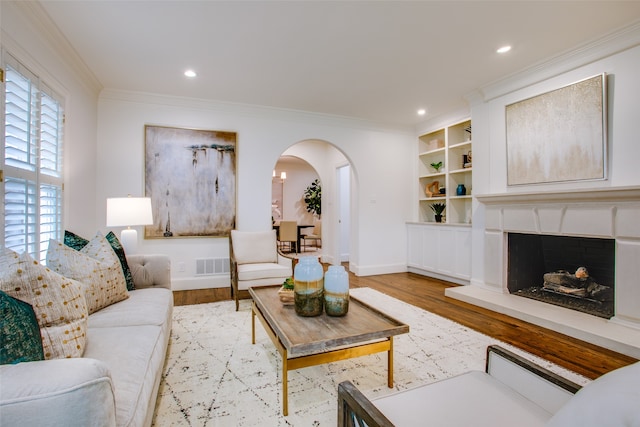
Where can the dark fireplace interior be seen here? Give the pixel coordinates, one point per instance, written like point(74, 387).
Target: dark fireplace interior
point(544, 268)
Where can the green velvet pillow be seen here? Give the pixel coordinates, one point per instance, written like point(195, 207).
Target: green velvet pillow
point(76, 242)
point(119, 250)
point(19, 332)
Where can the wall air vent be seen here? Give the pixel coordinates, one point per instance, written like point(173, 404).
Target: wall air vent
point(212, 266)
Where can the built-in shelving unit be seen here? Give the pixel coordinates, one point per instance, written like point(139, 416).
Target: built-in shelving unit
point(451, 145)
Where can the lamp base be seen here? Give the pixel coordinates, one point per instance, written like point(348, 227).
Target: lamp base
point(129, 241)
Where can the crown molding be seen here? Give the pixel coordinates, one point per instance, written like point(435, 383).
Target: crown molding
point(615, 42)
point(258, 111)
point(34, 13)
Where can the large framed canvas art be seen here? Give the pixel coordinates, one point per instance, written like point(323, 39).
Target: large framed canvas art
point(559, 135)
point(190, 176)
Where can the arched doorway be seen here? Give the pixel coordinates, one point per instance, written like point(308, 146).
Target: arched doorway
point(324, 159)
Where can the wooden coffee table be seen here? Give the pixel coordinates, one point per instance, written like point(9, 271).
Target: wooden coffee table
point(310, 341)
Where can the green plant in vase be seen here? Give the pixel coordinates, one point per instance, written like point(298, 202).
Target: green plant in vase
point(438, 209)
point(436, 166)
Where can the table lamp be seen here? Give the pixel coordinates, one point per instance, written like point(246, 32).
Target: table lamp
point(129, 212)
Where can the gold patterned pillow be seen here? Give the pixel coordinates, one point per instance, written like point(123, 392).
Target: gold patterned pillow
point(104, 282)
point(58, 302)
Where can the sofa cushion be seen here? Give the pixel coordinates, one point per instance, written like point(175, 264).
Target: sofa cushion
point(77, 242)
point(611, 400)
point(476, 399)
point(58, 302)
point(19, 332)
point(254, 246)
point(135, 357)
point(104, 281)
point(143, 307)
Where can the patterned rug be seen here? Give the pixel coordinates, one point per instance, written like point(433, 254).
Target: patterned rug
point(214, 376)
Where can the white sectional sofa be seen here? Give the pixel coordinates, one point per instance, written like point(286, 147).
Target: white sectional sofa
point(116, 381)
point(511, 392)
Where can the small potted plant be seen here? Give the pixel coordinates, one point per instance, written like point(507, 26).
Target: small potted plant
point(436, 166)
point(437, 209)
point(286, 292)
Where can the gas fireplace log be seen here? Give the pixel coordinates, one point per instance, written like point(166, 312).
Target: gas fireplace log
point(578, 284)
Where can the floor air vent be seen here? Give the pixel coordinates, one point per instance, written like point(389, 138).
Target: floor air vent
point(211, 266)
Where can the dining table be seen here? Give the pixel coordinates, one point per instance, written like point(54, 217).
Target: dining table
point(299, 234)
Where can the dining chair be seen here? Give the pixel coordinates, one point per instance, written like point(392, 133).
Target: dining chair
point(315, 235)
point(288, 233)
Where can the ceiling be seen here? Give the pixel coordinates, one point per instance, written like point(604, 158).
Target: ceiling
point(379, 61)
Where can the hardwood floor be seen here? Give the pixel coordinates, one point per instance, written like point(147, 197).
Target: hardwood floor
point(428, 294)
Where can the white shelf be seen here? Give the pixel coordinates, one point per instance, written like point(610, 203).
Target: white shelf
point(465, 170)
point(453, 142)
point(430, 152)
point(461, 144)
point(433, 175)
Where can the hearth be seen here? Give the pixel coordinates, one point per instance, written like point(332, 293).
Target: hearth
point(572, 272)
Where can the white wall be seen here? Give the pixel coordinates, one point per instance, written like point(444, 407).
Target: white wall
point(619, 58)
point(378, 157)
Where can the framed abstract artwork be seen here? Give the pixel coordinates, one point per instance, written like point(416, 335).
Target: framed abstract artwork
point(559, 135)
point(190, 176)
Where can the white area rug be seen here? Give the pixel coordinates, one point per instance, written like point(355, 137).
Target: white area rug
point(214, 376)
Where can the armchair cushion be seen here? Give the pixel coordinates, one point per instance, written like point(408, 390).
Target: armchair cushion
point(254, 247)
point(263, 271)
point(473, 397)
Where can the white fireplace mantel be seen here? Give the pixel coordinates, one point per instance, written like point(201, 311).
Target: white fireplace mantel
point(610, 213)
point(610, 194)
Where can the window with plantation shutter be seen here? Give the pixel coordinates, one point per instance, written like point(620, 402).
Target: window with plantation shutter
point(33, 119)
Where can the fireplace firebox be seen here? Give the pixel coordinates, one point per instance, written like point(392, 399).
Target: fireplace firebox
point(579, 271)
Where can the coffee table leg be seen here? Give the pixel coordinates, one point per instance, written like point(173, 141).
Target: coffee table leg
point(390, 363)
point(285, 383)
point(253, 324)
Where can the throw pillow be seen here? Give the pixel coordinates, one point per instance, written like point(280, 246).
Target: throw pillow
point(119, 251)
point(76, 242)
point(103, 281)
point(19, 332)
point(58, 302)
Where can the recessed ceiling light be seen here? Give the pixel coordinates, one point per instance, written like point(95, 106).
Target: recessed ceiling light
point(422, 112)
point(190, 73)
point(504, 49)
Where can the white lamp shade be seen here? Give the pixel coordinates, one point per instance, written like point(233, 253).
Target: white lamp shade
point(129, 211)
point(283, 175)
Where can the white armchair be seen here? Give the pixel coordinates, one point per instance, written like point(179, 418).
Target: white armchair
point(256, 261)
point(511, 392)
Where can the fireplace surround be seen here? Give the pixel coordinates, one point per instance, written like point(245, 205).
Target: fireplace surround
point(611, 214)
